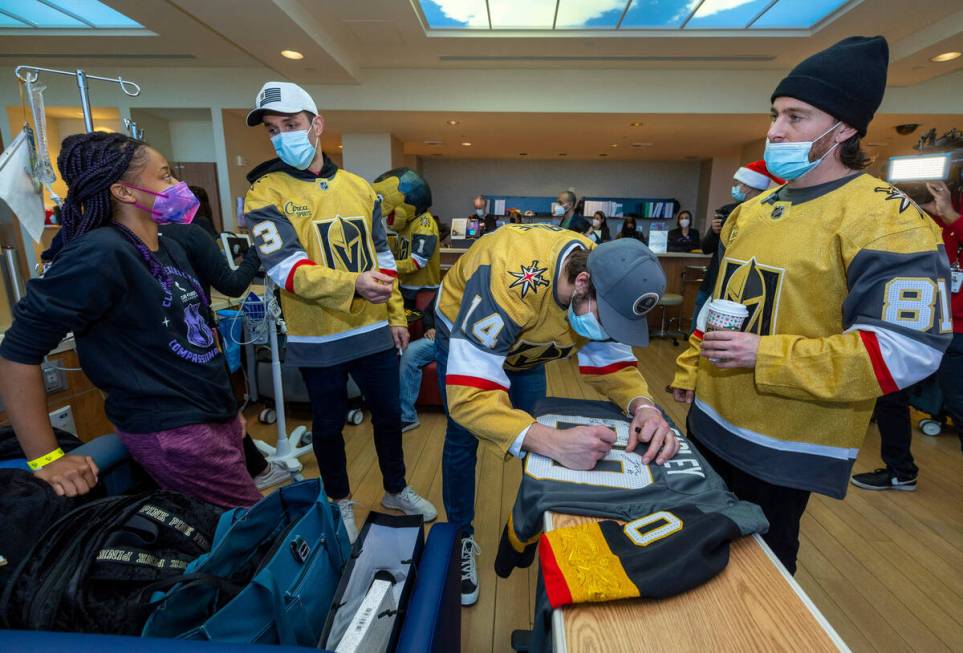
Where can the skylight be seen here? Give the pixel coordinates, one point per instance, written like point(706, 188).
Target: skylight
point(62, 14)
point(627, 15)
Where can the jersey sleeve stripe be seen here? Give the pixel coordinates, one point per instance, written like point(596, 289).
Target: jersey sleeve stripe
point(390, 273)
point(289, 282)
point(898, 360)
point(473, 382)
point(699, 335)
point(606, 369)
point(602, 354)
point(420, 261)
point(555, 586)
point(283, 272)
point(885, 379)
point(386, 262)
point(466, 359)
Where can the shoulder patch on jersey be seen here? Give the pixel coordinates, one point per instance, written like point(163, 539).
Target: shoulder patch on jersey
point(531, 277)
point(895, 194)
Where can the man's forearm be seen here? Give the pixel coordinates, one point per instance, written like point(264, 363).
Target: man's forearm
point(23, 394)
point(540, 440)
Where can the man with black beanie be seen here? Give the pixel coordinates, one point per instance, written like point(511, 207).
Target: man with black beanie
point(844, 281)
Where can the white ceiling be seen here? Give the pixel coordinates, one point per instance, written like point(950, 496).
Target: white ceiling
point(341, 39)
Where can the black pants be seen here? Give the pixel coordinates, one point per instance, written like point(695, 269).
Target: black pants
point(951, 380)
point(377, 375)
point(896, 434)
point(253, 458)
point(783, 506)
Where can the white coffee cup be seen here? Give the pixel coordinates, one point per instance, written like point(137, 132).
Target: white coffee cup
point(724, 315)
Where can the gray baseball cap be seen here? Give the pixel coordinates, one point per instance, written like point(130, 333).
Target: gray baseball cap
point(629, 282)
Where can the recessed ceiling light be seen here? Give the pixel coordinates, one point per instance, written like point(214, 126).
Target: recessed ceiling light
point(466, 143)
point(292, 54)
point(341, 147)
point(452, 122)
point(614, 145)
point(946, 56)
point(434, 142)
point(635, 124)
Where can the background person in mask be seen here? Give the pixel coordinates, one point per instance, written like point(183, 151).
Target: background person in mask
point(685, 237)
point(322, 239)
point(844, 279)
point(480, 211)
point(599, 233)
point(749, 180)
point(629, 230)
point(565, 208)
point(568, 296)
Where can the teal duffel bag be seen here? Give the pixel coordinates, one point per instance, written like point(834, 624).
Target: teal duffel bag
point(270, 576)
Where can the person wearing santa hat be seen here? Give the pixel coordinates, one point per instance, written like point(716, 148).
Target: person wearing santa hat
point(749, 180)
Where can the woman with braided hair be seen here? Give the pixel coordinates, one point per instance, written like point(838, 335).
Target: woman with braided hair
point(141, 323)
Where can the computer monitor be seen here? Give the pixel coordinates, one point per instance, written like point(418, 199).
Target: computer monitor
point(472, 230)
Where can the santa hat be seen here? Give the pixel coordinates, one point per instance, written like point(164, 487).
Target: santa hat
point(755, 175)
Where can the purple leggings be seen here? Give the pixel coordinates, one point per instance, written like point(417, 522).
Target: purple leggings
point(205, 461)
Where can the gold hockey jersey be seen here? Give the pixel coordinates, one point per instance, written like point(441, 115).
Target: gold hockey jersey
point(498, 310)
point(315, 235)
point(846, 285)
point(417, 253)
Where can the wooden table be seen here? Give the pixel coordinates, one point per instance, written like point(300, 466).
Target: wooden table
point(753, 605)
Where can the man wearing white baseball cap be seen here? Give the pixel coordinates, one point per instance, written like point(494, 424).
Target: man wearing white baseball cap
point(321, 238)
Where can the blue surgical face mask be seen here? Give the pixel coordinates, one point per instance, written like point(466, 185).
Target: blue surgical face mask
point(586, 325)
point(294, 148)
point(738, 194)
point(480, 213)
point(791, 160)
point(558, 210)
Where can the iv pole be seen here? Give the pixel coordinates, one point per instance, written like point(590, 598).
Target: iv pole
point(31, 74)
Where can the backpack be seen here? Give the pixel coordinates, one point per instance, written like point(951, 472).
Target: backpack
point(29, 506)
point(92, 570)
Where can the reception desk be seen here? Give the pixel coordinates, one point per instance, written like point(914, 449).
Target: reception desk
point(674, 264)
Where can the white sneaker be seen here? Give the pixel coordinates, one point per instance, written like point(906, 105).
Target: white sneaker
point(469, 570)
point(274, 474)
point(408, 502)
point(347, 516)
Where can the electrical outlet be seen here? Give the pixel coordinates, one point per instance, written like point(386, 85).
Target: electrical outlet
point(63, 418)
point(53, 378)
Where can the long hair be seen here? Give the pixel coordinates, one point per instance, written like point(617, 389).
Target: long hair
point(90, 164)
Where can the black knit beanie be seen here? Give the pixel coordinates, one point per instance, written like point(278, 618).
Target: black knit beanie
point(847, 80)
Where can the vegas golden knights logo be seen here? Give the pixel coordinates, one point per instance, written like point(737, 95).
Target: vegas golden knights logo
point(755, 286)
point(344, 242)
point(525, 355)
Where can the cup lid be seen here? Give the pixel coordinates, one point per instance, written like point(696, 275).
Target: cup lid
point(729, 308)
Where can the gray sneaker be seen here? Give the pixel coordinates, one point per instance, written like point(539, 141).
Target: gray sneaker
point(274, 474)
point(408, 502)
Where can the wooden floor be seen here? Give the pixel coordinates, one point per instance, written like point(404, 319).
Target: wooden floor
point(885, 568)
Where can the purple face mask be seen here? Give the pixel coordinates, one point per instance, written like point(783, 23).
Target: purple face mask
point(176, 205)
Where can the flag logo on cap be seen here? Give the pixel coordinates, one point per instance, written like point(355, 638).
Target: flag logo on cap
point(270, 95)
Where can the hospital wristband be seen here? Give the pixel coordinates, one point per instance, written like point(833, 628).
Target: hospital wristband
point(46, 459)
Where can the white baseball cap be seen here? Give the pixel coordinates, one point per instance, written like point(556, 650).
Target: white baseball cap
point(282, 97)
